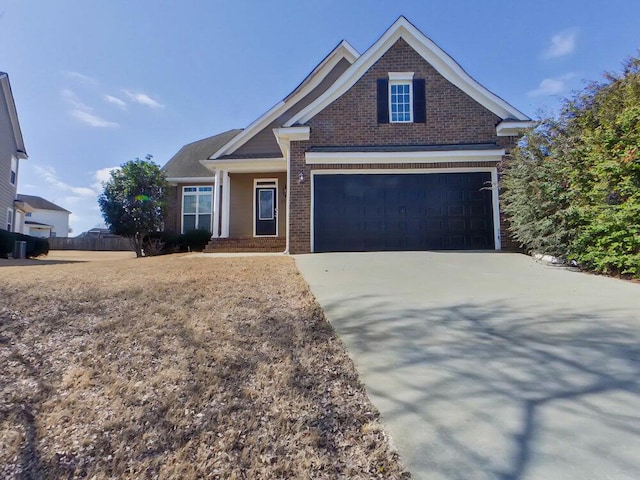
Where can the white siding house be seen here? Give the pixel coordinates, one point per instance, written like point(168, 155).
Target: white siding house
point(46, 219)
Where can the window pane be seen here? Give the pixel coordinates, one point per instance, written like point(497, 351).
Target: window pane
point(189, 205)
point(190, 189)
point(188, 223)
point(205, 189)
point(204, 222)
point(266, 205)
point(204, 203)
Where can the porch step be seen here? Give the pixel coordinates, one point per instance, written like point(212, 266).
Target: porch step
point(241, 245)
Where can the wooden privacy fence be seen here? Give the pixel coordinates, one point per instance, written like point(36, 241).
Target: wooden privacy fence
point(88, 243)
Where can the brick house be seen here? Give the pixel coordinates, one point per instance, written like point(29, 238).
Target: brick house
point(397, 148)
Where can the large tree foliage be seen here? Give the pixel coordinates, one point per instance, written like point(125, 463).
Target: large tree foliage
point(133, 202)
point(573, 186)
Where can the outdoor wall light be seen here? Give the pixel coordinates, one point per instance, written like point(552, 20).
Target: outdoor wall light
point(284, 191)
point(301, 177)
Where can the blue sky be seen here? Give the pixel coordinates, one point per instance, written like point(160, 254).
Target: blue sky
point(98, 83)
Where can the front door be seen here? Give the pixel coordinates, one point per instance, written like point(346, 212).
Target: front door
point(266, 211)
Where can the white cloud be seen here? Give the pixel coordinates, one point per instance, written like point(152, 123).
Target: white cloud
point(72, 99)
point(49, 174)
point(562, 43)
point(92, 120)
point(82, 77)
point(100, 176)
point(115, 101)
point(552, 86)
point(84, 113)
point(142, 99)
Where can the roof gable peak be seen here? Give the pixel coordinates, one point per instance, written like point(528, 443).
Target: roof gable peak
point(431, 53)
point(343, 50)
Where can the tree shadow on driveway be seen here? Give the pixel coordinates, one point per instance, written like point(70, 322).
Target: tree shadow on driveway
point(496, 391)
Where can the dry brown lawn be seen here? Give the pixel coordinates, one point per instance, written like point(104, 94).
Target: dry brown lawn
point(178, 367)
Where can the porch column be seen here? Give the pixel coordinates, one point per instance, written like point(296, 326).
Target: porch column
point(216, 206)
point(226, 196)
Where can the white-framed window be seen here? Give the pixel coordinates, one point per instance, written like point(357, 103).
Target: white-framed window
point(197, 208)
point(14, 170)
point(401, 97)
point(9, 220)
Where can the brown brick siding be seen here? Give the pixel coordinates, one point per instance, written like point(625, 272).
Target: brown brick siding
point(452, 118)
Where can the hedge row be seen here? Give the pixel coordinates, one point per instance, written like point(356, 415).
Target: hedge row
point(573, 187)
point(35, 246)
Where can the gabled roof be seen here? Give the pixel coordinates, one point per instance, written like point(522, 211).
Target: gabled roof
point(40, 203)
point(5, 87)
point(186, 163)
point(342, 51)
point(426, 48)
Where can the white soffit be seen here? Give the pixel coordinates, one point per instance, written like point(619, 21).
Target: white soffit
point(432, 54)
point(343, 50)
point(510, 128)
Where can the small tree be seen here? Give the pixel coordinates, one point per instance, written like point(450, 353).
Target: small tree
point(133, 202)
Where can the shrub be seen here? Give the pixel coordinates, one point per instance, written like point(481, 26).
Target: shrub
point(162, 243)
point(196, 240)
point(35, 246)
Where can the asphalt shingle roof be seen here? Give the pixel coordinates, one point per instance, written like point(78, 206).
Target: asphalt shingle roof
point(40, 203)
point(186, 163)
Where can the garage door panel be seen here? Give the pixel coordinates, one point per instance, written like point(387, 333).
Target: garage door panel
point(402, 212)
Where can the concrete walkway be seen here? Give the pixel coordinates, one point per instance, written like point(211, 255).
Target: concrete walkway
point(490, 365)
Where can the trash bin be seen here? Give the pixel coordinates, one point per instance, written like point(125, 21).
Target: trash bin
point(20, 249)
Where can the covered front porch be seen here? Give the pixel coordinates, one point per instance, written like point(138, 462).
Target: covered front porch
point(249, 205)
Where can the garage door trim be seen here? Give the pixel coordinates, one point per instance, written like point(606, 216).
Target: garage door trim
point(393, 171)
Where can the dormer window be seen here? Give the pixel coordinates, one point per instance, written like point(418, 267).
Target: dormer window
point(401, 99)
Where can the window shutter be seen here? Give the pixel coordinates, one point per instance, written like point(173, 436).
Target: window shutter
point(419, 101)
point(383, 100)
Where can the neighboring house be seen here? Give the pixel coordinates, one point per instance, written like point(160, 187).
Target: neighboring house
point(44, 218)
point(97, 232)
point(12, 150)
point(397, 148)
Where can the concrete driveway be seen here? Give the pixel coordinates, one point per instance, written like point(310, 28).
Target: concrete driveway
point(490, 365)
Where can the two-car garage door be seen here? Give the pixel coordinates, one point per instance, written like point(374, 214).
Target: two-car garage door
point(434, 211)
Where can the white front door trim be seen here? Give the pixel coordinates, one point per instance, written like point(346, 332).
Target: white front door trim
point(267, 183)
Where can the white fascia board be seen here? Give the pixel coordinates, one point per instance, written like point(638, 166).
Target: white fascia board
point(293, 134)
point(343, 50)
point(284, 137)
point(432, 54)
point(21, 152)
point(511, 128)
point(247, 165)
point(176, 180)
point(350, 53)
point(24, 206)
point(448, 156)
